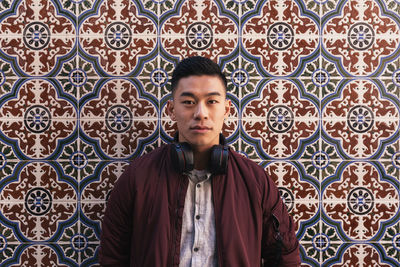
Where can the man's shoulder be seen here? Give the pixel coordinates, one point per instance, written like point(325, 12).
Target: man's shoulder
point(248, 171)
point(153, 157)
point(159, 151)
point(245, 162)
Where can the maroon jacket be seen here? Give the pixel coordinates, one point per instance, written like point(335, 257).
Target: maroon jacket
point(143, 221)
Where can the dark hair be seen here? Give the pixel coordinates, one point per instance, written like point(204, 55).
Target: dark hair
point(196, 65)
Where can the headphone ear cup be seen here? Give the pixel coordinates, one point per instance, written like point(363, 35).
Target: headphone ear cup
point(182, 157)
point(219, 159)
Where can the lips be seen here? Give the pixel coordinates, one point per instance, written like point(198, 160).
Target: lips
point(200, 128)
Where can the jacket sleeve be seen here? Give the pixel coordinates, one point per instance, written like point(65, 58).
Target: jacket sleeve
point(117, 224)
point(280, 246)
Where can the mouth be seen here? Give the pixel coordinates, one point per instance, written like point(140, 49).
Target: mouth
point(200, 128)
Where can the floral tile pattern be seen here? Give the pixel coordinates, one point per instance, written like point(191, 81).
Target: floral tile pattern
point(362, 118)
point(315, 92)
point(281, 37)
point(352, 38)
point(200, 28)
point(278, 120)
point(36, 37)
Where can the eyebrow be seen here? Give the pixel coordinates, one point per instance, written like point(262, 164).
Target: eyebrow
point(192, 95)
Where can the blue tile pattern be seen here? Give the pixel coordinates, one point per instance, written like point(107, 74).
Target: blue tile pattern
point(315, 91)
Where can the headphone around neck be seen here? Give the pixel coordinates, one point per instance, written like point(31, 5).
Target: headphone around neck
point(182, 156)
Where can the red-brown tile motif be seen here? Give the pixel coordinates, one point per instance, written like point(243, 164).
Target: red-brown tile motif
point(361, 119)
point(37, 36)
point(39, 199)
point(360, 200)
point(199, 29)
point(279, 119)
point(117, 35)
point(118, 118)
point(361, 37)
point(37, 119)
point(360, 255)
point(40, 255)
point(281, 35)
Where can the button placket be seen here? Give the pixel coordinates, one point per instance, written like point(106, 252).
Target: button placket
point(197, 224)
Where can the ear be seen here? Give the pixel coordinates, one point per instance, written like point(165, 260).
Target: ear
point(171, 110)
point(227, 108)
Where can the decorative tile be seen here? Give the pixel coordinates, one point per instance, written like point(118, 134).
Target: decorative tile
point(5, 6)
point(360, 120)
point(8, 78)
point(160, 8)
point(93, 205)
point(391, 241)
point(78, 7)
point(320, 159)
point(360, 200)
point(45, 119)
point(281, 37)
point(243, 76)
point(78, 77)
point(41, 198)
point(156, 74)
point(391, 78)
point(103, 176)
point(199, 29)
point(394, 6)
point(116, 36)
point(8, 161)
point(118, 120)
point(278, 120)
point(306, 253)
point(8, 242)
point(392, 164)
point(329, 7)
point(37, 36)
point(361, 254)
point(320, 242)
point(75, 242)
point(44, 254)
point(79, 159)
point(351, 38)
point(320, 78)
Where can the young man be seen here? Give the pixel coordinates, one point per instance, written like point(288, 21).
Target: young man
point(196, 202)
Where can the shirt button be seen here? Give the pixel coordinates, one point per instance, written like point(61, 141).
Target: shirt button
point(197, 217)
point(196, 249)
point(198, 185)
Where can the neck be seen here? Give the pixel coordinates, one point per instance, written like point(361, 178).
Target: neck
point(201, 159)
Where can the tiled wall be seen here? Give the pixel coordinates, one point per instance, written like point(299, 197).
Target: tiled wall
point(315, 90)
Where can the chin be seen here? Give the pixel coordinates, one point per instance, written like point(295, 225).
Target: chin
point(202, 140)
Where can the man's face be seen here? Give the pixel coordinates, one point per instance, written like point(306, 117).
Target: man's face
point(199, 107)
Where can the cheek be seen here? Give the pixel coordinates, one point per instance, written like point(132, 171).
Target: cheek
point(180, 118)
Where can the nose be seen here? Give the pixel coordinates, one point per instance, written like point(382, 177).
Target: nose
point(201, 112)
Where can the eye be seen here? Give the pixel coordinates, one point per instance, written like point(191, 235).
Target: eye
point(188, 102)
point(212, 101)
